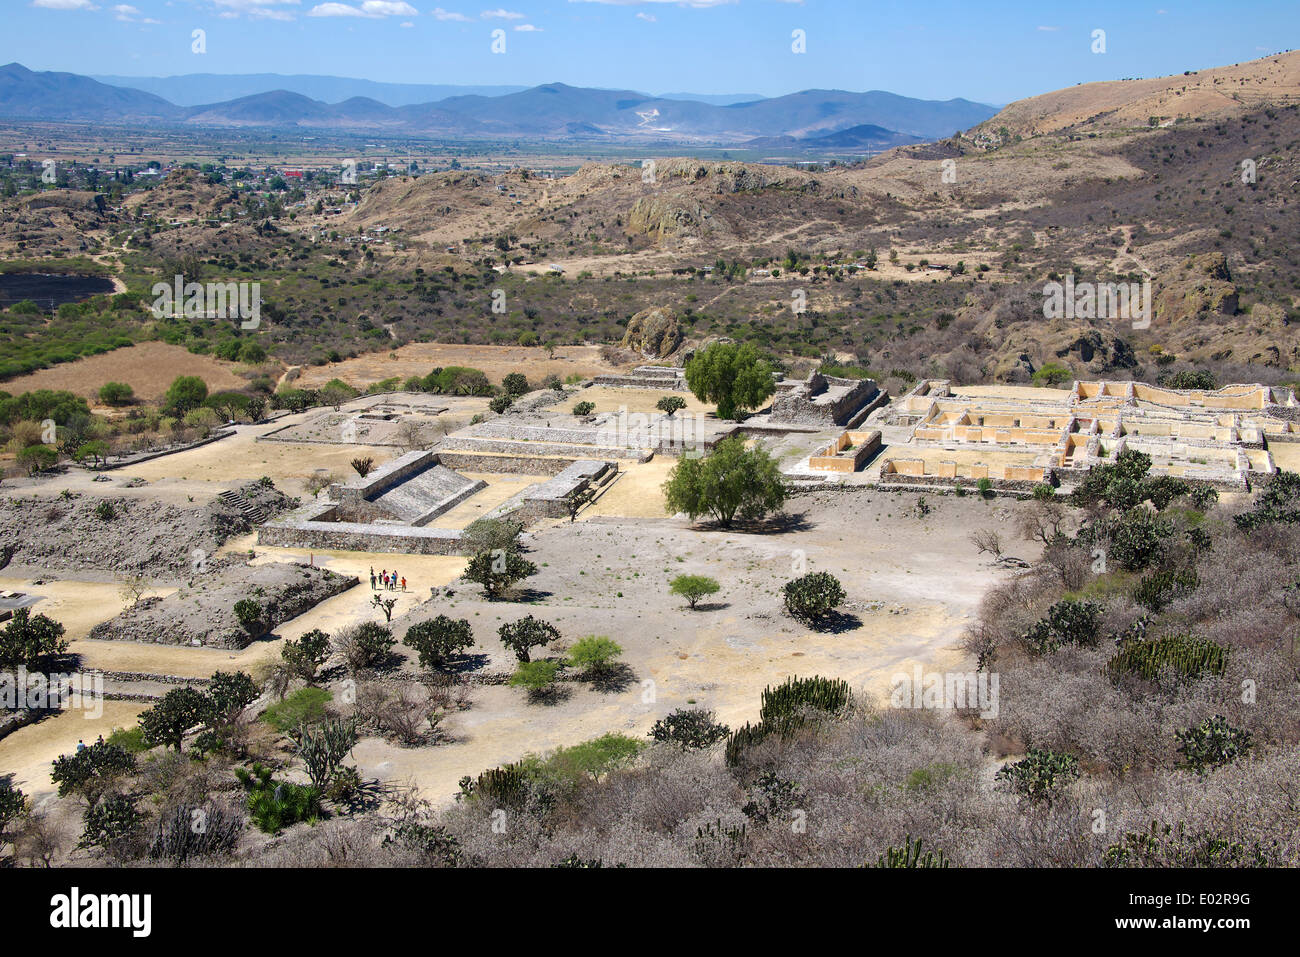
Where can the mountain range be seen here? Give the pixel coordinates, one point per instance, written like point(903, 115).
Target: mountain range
point(552, 110)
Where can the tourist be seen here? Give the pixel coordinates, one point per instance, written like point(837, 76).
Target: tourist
point(372, 579)
point(81, 745)
point(403, 584)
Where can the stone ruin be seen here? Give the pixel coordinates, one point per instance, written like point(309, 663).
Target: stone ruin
point(1017, 440)
point(390, 509)
point(823, 401)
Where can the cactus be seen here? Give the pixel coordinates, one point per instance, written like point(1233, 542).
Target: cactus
point(910, 855)
point(1188, 655)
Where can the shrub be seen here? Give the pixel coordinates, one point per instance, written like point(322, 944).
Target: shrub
point(305, 656)
point(515, 384)
point(105, 511)
point(439, 639)
point(29, 641)
point(304, 706)
point(274, 805)
point(584, 408)
point(248, 612)
point(179, 710)
point(595, 655)
point(1068, 622)
point(814, 597)
point(693, 588)
point(525, 634)
point(1038, 776)
point(89, 771)
point(1211, 744)
point(690, 728)
point(501, 403)
point(364, 646)
point(536, 676)
point(186, 832)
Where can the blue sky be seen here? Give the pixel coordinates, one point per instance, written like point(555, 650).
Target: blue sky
point(985, 50)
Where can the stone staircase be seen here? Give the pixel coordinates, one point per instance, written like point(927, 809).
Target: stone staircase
point(256, 514)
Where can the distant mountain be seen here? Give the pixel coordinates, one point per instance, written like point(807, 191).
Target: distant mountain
point(550, 110)
point(716, 99)
point(198, 89)
point(864, 137)
point(69, 97)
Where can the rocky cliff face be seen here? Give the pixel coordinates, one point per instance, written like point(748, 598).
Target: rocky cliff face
point(654, 333)
point(1200, 286)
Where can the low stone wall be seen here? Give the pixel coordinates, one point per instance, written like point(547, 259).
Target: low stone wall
point(514, 447)
point(1017, 486)
point(353, 537)
point(517, 464)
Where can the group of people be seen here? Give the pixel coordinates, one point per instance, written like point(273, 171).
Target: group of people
point(387, 579)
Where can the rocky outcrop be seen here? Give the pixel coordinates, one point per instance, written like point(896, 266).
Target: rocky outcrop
point(1201, 286)
point(662, 216)
point(653, 332)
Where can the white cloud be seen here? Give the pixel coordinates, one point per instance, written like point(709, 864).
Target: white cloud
point(499, 14)
point(647, 17)
point(528, 28)
point(1049, 29)
point(255, 9)
point(64, 4)
point(442, 14)
point(373, 9)
point(699, 4)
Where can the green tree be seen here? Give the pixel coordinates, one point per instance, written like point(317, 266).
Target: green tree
point(814, 597)
point(116, 393)
point(439, 639)
point(228, 694)
point(29, 641)
point(732, 376)
point(693, 588)
point(179, 710)
point(731, 481)
point(670, 404)
point(305, 656)
point(498, 571)
point(88, 772)
point(96, 450)
point(185, 394)
point(526, 634)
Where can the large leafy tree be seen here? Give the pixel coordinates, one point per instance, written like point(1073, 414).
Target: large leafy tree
point(179, 710)
point(439, 639)
point(731, 482)
point(731, 375)
point(29, 640)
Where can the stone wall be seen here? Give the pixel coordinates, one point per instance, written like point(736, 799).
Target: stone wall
point(355, 537)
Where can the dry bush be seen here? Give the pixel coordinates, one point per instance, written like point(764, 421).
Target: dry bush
point(407, 713)
point(987, 540)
